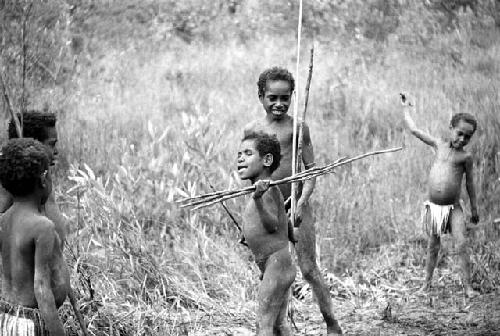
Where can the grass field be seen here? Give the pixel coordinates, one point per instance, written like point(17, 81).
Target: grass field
point(141, 127)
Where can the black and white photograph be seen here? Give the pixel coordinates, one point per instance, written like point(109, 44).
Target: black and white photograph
point(249, 167)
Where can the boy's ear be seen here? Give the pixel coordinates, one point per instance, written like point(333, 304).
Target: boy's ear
point(268, 159)
point(261, 97)
point(43, 179)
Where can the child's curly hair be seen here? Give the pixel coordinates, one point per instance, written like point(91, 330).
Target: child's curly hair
point(464, 116)
point(274, 73)
point(35, 124)
point(266, 144)
point(22, 162)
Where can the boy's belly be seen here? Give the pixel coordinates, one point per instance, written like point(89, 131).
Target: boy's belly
point(264, 245)
point(444, 185)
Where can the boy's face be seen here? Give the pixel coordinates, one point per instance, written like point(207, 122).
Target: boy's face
point(276, 98)
point(461, 134)
point(250, 163)
point(51, 142)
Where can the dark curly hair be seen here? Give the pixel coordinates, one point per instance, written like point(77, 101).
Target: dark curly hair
point(266, 144)
point(467, 117)
point(274, 73)
point(22, 161)
point(35, 124)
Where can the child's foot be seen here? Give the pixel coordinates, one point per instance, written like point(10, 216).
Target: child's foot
point(470, 292)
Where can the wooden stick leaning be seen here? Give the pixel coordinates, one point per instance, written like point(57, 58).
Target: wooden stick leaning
point(305, 175)
point(5, 94)
point(78, 314)
point(303, 117)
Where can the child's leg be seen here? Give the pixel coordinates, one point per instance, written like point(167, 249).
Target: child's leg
point(306, 255)
point(458, 230)
point(282, 328)
point(433, 247)
point(278, 277)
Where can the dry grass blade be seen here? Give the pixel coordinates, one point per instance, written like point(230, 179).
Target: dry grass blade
point(305, 175)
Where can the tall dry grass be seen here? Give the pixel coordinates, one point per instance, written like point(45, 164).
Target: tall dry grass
point(141, 128)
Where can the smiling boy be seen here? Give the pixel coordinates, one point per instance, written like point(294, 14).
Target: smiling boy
point(443, 212)
point(275, 88)
point(265, 227)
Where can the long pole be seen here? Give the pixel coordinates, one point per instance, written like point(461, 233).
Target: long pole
point(303, 116)
point(295, 116)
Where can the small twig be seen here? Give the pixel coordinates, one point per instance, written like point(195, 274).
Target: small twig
point(225, 207)
point(78, 314)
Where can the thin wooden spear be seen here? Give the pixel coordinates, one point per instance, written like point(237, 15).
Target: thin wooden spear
point(303, 117)
point(291, 179)
point(295, 113)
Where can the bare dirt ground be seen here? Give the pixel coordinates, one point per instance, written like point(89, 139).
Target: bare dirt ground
point(381, 303)
point(441, 312)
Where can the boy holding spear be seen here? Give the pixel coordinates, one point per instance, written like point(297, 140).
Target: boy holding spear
point(275, 88)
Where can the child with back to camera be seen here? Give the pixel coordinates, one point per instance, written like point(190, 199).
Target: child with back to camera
point(35, 278)
point(265, 227)
point(442, 211)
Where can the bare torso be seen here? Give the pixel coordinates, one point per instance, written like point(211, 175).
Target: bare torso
point(19, 231)
point(445, 177)
point(259, 240)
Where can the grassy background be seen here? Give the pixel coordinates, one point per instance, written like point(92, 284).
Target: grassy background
point(143, 123)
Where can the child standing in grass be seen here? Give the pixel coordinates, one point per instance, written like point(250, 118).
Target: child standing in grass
point(35, 276)
point(443, 213)
point(265, 227)
point(275, 88)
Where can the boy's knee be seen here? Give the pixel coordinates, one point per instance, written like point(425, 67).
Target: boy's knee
point(309, 270)
point(461, 246)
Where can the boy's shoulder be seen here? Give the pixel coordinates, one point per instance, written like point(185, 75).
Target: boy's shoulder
point(33, 223)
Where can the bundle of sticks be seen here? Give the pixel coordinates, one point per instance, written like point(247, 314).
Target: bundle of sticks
point(202, 201)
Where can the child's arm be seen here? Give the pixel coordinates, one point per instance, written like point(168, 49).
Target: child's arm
point(471, 189)
point(44, 247)
point(5, 199)
point(267, 212)
point(308, 160)
point(425, 137)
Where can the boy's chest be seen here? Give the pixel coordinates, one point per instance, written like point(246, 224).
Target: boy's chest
point(451, 157)
point(283, 132)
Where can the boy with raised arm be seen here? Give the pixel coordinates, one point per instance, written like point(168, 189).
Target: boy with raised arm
point(35, 276)
point(443, 212)
point(275, 88)
point(265, 226)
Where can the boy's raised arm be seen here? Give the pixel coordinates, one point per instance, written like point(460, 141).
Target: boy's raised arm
point(425, 137)
point(471, 188)
point(44, 246)
point(267, 210)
